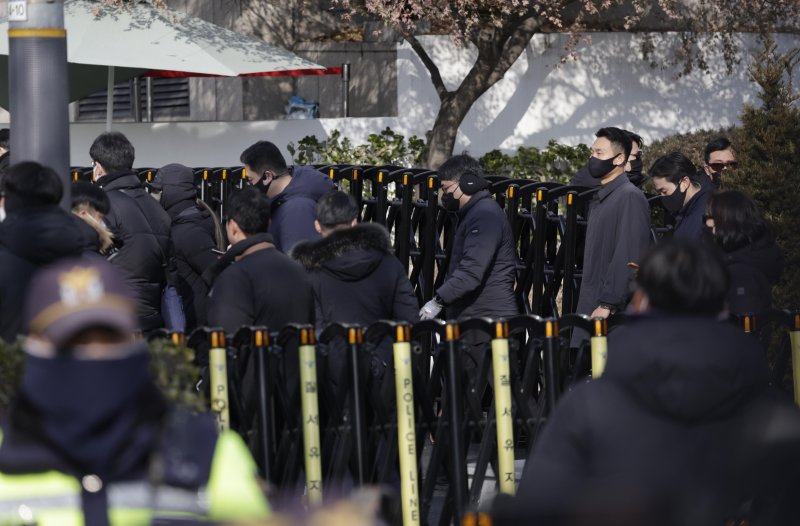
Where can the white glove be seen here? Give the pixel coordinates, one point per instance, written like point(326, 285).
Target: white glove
point(430, 310)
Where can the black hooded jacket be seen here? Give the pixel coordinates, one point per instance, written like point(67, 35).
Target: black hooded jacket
point(671, 419)
point(143, 228)
point(193, 240)
point(31, 238)
point(754, 269)
point(294, 209)
point(356, 278)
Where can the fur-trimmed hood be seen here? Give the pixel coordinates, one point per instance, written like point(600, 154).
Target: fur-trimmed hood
point(350, 254)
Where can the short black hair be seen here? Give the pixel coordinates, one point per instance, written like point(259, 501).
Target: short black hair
point(681, 277)
point(455, 166)
point(29, 184)
point(5, 138)
point(263, 156)
point(635, 137)
point(251, 211)
point(113, 151)
point(89, 195)
point(738, 222)
point(716, 145)
point(336, 208)
point(673, 167)
point(618, 138)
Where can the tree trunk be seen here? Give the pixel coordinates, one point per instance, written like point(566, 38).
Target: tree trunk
point(442, 137)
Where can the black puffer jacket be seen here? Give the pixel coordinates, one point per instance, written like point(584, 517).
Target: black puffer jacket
point(193, 240)
point(31, 238)
point(356, 278)
point(294, 209)
point(754, 269)
point(680, 418)
point(143, 227)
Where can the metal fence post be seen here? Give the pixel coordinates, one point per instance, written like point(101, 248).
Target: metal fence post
point(261, 342)
point(551, 347)
point(455, 420)
point(355, 338)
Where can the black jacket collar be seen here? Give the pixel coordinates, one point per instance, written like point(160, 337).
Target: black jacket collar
point(119, 180)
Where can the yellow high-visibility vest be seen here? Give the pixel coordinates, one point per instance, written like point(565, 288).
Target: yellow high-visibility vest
point(54, 499)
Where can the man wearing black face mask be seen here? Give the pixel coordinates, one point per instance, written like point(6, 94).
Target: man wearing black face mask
point(719, 157)
point(480, 278)
point(90, 439)
point(675, 179)
point(619, 228)
point(633, 168)
point(293, 192)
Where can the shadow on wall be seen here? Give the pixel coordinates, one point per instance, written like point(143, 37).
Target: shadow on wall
point(611, 84)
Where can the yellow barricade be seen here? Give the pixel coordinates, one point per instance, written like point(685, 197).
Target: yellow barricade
point(218, 364)
point(406, 435)
point(599, 344)
point(502, 407)
point(310, 414)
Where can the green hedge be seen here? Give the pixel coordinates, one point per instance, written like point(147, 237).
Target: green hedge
point(556, 162)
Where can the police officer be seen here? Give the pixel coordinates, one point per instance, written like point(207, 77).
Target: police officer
point(90, 439)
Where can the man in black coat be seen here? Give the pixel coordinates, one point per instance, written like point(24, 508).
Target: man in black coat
point(138, 223)
point(681, 428)
point(195, 237)
point(482, 270)
point(35, 232)
point(293, 191)
point(618, 232)
point(260, 285)
point(5, 154)
point(676, 180)
point(355, 276)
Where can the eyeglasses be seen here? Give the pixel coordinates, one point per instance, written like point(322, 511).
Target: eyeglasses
point(718, 167)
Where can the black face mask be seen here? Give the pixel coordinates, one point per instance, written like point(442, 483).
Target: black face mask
point(449, 202)
point(262, 185)
point(87, 405)
point(636, 168)
point(599, 168)
point(716, 179)
point(674, 201)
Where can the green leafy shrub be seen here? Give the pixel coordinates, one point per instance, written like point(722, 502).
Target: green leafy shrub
point(557, 162)
point(384, 148)
point(171, 366)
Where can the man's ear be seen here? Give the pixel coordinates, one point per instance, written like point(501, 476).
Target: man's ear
point(354, 222)
point(317, 227)
point(233, 228)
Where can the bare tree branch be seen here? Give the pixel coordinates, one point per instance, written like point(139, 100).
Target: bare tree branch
point(514, 46)
point(432, 68)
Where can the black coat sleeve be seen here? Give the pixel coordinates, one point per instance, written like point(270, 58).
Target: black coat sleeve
point(631, 241)
point(483, 236)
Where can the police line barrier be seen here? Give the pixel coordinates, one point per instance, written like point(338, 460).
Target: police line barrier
point(394, 402)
